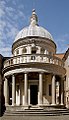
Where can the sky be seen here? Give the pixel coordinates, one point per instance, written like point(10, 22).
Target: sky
point(53, 15)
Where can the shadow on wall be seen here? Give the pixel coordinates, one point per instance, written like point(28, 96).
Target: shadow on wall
point(2, 105)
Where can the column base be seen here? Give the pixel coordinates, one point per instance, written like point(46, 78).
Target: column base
point(40, 104)
point(6, 104)
point(62, 104)
point(13, 104)
point(26, 107)
point(54, 104)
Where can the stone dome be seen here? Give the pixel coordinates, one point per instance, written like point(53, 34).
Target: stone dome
point(33, 29)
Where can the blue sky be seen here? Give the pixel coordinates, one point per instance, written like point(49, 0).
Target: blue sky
point(52, 15)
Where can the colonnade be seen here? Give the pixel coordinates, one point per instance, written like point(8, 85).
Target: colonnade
point(40, 96)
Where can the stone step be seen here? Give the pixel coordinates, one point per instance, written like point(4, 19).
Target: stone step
point(38, 112)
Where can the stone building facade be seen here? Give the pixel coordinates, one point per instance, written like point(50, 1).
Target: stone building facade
point(66, 61)
point(34, 75)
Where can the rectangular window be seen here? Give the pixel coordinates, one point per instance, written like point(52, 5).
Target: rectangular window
point(50, 90)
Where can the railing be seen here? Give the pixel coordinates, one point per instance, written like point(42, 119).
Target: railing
point(41, 58)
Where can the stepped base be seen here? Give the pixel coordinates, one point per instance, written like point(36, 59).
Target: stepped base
point(35, 111)
point(43, 107)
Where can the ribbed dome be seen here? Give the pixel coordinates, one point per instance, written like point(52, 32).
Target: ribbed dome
point(33, 29)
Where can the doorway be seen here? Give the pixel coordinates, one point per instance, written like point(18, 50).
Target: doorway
point(33, 94)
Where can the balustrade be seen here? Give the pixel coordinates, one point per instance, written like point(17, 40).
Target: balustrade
point(33, 58)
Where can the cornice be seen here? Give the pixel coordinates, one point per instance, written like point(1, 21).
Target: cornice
point(45, 67)
point(35, 40)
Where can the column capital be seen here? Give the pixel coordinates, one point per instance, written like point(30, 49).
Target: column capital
point(26, 72)
point(54, 77)
point(62, 78)
point(41, 72)
point(53, 74)
point(6, 77)
point(13, 74)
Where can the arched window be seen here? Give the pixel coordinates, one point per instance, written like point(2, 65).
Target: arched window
point(17, 52)
point(24, 50)
point(42, 50)
point(34, 50)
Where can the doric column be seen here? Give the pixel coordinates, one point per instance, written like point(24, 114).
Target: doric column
point(40, 87)
point(53, 90)
point(21, 92)
point(13, 91)
point(25, 89)
point(62, 89)
point(57, 92)
point(6, 91)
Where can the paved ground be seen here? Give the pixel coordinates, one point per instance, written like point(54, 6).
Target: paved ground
point(64, 117)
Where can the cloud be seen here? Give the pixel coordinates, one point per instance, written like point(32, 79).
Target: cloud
point(62, 43)
point(5, 49)
point(10, 15)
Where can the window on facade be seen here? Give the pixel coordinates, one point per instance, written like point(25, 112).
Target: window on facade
point(24, 50)
point(17, 52)
point(42, 50)
point(11, 61)
point(33, 50)
point(50, 90)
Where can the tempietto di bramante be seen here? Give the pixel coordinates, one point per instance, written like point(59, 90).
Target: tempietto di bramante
point(34, 75)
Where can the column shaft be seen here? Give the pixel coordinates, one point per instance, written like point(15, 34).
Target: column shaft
point(6, 91)
point(13, 91)
point(53, 90)
point(57, 92)
point(40, 88)
point(21, 92)
point(62, 92)
point(25, 89)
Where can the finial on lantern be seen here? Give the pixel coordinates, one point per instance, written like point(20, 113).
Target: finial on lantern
point(34, 18)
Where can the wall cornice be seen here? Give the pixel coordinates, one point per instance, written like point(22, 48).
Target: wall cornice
point(35, 40)
point(35, 67)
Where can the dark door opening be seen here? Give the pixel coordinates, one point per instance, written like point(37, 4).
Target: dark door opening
point(33, 94)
